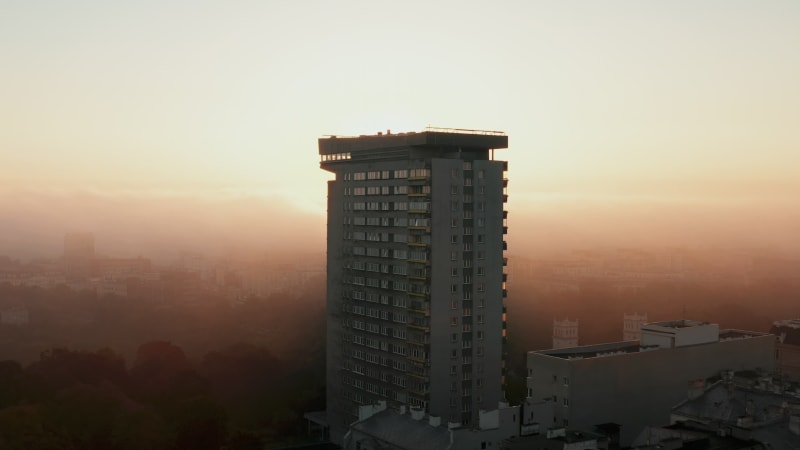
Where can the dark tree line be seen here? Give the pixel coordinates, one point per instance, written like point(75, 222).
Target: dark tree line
point(240, 396)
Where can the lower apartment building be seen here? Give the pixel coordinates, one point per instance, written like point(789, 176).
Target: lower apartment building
point(636, 383)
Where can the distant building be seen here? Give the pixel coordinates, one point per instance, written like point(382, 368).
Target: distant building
point(632, 326)
point(122, 268)
point(79, 257)
point(16, 316)
point(565, 333)
point(415, 273)
point(636, 383)
point(787, 348)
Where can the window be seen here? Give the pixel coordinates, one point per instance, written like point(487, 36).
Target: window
point(566, 381)
point(454, 239)
point(453, 223)
point(481, 173)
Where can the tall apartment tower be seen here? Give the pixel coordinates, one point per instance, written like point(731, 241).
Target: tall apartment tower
point(416, 282)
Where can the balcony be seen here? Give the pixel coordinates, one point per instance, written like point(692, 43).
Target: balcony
point(416, 359)
point(418, 327)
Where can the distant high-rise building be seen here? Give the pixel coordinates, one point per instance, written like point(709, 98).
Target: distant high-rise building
point(632, 326)
point(415, 314)
point(565, 333)
point(79, 256)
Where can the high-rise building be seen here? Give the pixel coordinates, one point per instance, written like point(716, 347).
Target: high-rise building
point(632, 326)
point(415, 261)
point(565, 333)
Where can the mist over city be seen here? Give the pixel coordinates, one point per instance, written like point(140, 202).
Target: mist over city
point(361, 226)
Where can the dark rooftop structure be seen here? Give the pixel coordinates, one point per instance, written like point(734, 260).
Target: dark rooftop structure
point(382, 146)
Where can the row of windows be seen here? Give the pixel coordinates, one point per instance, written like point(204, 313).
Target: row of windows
point(401, 286)
point(397, 301)
point(376, 175)
point(397, 333)
point(377, 252)
point(337, 157)
point(375, 313)
point(379, 268)
point(376, 236)
point(373, 358)
point(375, 221)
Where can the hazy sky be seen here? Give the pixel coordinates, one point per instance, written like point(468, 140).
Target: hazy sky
point(682, 101)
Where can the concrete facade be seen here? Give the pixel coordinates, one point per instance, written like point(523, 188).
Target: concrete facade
point(415, 280)
point(636, 385)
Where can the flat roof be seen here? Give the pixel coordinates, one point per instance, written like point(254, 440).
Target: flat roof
point(681, 323)
point(596, 350)
point(430, 137)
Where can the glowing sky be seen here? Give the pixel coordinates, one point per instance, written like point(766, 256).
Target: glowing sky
point(656, 98)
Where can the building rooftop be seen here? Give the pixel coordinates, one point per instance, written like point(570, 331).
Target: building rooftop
point(626, 347)
point(335, 148)
point(769, 414)
point(403, 432)
point(597, 350)
point(682, 323)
